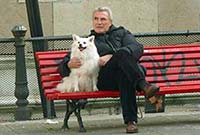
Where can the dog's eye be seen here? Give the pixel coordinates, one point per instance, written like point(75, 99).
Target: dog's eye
point(78, 42)
point(84, 42)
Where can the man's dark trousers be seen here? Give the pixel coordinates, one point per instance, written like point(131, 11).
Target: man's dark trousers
point(122, 72)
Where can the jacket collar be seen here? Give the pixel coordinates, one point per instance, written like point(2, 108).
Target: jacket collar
point(112, 28)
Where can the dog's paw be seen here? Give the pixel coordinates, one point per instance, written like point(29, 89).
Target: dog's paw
point(76, 90)
point(95, 88)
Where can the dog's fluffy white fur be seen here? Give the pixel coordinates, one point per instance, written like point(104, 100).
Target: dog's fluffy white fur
point(85, 77)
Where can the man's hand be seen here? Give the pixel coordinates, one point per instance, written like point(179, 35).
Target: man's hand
point(74, 63)
point(104, 59)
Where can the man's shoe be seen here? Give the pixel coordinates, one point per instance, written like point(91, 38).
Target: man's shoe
point(150, 91)
point(131, 127)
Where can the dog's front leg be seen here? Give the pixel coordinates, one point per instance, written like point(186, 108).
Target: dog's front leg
point(76, 87)
point(94, 83)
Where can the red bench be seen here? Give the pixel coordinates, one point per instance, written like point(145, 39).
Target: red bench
point(175, 68)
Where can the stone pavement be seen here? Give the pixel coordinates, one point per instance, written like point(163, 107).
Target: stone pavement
point(177, 120)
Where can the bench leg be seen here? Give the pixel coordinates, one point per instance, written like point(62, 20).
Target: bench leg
point(80, 122)
point(69, 111)
point(50, 109)
point(73, 106)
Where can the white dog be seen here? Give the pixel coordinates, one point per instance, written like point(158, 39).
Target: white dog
point(85, 77)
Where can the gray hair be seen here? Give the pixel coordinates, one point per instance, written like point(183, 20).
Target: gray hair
point(104, 9)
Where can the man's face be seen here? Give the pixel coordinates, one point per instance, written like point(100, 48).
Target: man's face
point(101, 22)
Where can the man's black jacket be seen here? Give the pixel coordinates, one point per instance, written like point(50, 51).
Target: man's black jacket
point(117, 38)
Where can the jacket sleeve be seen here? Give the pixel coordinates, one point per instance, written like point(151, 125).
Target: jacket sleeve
point(64, 70)
point(130, 44)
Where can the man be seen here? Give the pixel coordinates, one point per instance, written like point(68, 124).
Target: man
point(119, 61)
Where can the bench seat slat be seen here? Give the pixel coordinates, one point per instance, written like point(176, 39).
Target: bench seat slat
point(180, 89)
point(80, 95)
point(115, 93)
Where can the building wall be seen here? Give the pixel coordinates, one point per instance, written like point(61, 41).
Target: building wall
point(64, 17)
point(179, 15)
point(13, 12)
point(75, 17)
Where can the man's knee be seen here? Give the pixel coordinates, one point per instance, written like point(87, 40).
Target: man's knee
point(122, 53)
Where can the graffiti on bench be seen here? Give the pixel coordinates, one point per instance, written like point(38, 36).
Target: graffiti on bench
point(177, 62)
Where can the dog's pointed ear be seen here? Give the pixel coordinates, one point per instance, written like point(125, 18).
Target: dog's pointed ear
point(91, 38)
point(75, 37)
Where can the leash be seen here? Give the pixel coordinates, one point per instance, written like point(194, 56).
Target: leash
point(140, 114)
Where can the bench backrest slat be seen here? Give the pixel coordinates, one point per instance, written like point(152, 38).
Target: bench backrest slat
point(177, 56)
point(169, 71)
point(50, 85)
point(173, 63)
point(52, 56)
point(177, 83)
point(49, 63)
point(54, 77)
point(51, 70)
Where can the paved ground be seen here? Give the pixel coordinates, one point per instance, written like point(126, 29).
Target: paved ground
point(177, 120)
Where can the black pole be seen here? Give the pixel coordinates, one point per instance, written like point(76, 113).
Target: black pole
point(21, 89)
point(34, 18)
point(35, 25)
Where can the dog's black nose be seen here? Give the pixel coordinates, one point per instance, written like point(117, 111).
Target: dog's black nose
point(80, 46)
